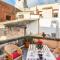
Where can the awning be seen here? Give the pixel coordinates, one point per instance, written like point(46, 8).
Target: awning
point(18, 22)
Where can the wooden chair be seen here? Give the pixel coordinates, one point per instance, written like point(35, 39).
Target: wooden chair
point(57, 50)
point(13, 52)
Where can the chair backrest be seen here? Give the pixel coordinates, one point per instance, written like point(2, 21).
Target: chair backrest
point(12, 48)
point(13, 51)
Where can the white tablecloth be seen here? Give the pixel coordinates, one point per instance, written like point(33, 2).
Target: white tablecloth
point(32, 53)
point(48, 55)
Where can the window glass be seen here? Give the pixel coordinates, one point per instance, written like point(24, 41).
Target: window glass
point(21, 16)
point(32, 12)
point(41, 15)
point(19, 0)
point(8, 17)
point(55, 14)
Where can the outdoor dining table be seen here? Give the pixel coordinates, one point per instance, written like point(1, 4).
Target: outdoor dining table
point(33, 53)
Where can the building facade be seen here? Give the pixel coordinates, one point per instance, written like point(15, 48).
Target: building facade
point(9, 26)
point(48, 19)
point(21, 4)
point(7, 12)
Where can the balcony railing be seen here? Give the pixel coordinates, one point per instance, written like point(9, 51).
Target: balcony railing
point(11, 34)
point(27, 16)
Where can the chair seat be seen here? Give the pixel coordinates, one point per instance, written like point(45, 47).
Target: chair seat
point(15, 54)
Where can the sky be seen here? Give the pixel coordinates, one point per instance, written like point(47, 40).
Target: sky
point(10, 1)
point(31, 2)
point(36, 2)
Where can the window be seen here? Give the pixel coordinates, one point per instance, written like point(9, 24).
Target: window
point(53, 35)
point(8, 17)
point(21, 16)
point(55, 14)
point(19, 0)
point(41, 15)
point(31, 12)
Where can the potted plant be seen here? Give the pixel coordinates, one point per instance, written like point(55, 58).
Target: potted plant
point(39, 44)
point(43, 35)
point(26, 43)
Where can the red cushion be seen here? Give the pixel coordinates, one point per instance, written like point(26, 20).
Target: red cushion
point(58, 58)
point(15, 54)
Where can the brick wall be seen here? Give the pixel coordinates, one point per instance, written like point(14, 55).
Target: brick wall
point(6, 9)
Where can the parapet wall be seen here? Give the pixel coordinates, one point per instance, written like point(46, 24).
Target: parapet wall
point(52, 43)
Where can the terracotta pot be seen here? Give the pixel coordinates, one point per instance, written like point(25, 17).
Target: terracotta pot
point(27, 44)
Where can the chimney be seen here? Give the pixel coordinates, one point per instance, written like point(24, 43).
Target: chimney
point(56, 0)
point(25, 4)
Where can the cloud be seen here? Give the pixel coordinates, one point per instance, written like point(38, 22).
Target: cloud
point(36, 2)
point(32, 2)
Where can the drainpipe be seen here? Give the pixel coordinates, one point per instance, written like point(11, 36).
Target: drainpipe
point(38, 27)
point(25, 31)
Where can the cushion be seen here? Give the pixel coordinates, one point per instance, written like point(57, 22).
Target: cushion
point(58, 58)
point(15, 54)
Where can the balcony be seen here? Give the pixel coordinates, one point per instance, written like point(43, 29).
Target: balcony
point(11, 32)
point(27, 16)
